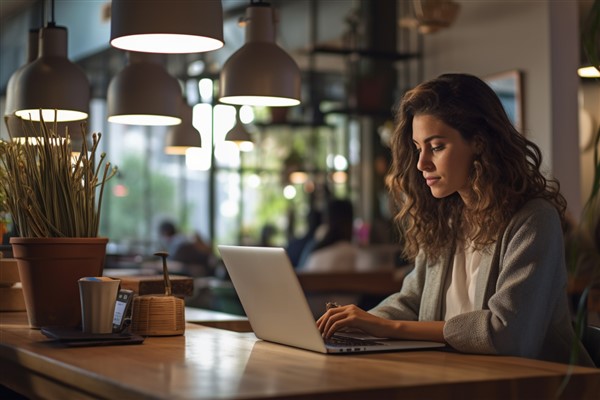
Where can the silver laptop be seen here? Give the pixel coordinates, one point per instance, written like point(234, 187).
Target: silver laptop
point(276, 306)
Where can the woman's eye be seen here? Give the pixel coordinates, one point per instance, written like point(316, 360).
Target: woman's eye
point(438, 148)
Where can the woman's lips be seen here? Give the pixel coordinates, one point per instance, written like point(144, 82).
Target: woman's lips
point(431, 180)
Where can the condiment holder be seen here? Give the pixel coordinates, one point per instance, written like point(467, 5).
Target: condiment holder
point(159, 315)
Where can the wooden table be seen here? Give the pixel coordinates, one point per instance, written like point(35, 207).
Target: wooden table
point(381, 283)
point(217, 319)
point(209, 363)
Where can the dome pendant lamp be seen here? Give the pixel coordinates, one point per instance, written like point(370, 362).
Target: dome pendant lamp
point(13, 82)
point(240, 135)
point(13, 123)
point(260, 73)
point(144, 93)
point(52, 82)
point(183, 136)
point(588, 72)
point(167, 26)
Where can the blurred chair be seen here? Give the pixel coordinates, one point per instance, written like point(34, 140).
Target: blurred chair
point(589, 334)
point(591, 342)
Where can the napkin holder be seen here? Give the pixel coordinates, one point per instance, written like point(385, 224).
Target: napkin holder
point(159, 315)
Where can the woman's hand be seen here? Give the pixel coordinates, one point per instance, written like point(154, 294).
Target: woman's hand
point(351, 316)
point(345, 317)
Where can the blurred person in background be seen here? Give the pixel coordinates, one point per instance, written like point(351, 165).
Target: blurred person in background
point(189, 256)
point(335, 251)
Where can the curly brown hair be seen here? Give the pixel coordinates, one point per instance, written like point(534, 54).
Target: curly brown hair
point(504, 176)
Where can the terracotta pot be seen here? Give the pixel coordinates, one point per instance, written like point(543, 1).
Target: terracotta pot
point(49, 270)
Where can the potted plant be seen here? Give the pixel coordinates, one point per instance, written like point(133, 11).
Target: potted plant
point(583, 241)
point(583, 247)
point(54, 201)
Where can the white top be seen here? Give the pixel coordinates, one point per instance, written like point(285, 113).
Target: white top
point(338, 257)
point(460, 295)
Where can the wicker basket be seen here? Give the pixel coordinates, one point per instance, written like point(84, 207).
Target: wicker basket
point(158, 315)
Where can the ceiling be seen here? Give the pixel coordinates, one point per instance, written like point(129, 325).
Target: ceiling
point(8, 8)
point(102, 60)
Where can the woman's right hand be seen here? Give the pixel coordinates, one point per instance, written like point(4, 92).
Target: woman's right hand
point(345, 317)
point(351, 316)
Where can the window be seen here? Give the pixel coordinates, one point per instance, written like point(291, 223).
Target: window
point(219, 192)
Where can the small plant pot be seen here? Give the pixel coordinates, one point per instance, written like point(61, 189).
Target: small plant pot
point(49, 269)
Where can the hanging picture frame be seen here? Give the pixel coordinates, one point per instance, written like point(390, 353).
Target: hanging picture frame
point(509, 88)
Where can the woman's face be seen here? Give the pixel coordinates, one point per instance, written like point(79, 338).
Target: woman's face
point(445, 157)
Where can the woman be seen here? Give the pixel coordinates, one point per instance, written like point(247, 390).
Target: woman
point(484, 227)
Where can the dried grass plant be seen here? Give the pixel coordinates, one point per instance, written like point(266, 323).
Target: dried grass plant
point(48, 191)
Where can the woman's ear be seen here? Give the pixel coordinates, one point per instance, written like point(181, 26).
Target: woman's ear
point(478, 145)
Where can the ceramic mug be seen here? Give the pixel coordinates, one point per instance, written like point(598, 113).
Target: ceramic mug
point(98, 296)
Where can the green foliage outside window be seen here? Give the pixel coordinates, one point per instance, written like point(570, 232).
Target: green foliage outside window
point(130, 217)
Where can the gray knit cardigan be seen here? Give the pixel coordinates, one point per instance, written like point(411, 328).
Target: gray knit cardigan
point(521, 306)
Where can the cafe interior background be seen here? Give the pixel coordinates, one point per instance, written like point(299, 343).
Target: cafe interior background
point(357, 58)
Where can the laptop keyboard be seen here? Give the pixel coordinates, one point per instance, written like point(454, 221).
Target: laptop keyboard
point(342, 341)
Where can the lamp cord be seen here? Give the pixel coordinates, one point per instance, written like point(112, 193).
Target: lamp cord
point(52, 22)
point(43, 14)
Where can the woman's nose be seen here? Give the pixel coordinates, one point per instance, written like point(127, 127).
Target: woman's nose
point(424, 162)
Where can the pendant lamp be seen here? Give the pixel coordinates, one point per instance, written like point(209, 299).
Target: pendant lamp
point(434, 15)
point(183, 136)
point(20, 130)
point(260, 73)
point(240, 135)
point(13, 81)
point(295, 169)
point(144, 93)
point(52, 82)
point(588, 72)
point(167, 26)
point(14, 123)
